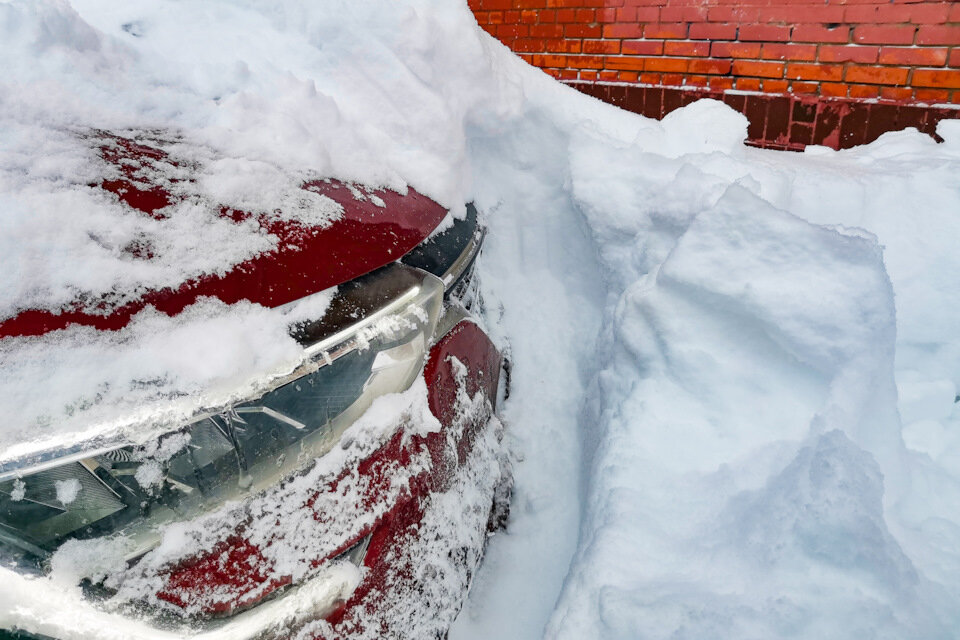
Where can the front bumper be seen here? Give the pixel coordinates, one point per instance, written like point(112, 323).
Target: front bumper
point(378, 539)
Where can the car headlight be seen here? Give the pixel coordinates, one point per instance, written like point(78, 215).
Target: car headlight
point(371, 341)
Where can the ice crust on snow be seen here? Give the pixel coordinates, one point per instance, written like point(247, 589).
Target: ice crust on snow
point(732, 367)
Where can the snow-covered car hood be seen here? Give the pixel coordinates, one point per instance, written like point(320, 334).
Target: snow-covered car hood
point(173, 273)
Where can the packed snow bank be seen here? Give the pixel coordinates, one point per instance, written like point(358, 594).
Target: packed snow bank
point(708, 340)
point(745, 471)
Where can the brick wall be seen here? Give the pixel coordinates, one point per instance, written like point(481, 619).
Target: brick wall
point(843, 53)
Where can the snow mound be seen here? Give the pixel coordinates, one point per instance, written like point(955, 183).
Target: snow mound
point(731, 408)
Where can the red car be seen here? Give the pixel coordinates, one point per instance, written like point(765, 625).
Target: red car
point(311, 510)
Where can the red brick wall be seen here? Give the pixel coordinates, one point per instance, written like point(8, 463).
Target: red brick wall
point(898, 51)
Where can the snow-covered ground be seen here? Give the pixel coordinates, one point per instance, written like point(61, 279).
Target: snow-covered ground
point(735, 370)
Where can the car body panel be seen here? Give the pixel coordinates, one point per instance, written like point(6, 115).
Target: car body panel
point(375, 228)
point(378, 501)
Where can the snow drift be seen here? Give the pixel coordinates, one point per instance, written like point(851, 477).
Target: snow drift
point(735, 370)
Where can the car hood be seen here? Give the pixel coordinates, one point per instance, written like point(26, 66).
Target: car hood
point(319, 232)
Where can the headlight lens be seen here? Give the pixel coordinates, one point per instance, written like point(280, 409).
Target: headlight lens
point(246, 447)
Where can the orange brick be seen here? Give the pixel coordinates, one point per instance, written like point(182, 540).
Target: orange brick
point(627, 76)
point(585, 62)
point(686, 48)
point(793, 12)
point(878, 75)
point(650, 78)
point(568, 74)
point(710, 67)
point(877, 13)
point(735, 50)
point(885, 34)
point(642, 47)
point(607, 76)
point(748, 84)
point(955, 57)
point(932, 95)
point(607, 16)
point(930, 13)
point(805, 87)
point(640, 14)
point(625, 30)
point(854, 53)
point(563, 46)
point(759, 69)
point(527, 45)
point(617, 14)
point(683, 14)
point(721, 84)
point(512, 30)
point(601, 46)
point(833, 90)
point(819, 33)
point(940, 78)
point(584, 15)
point(545, 16)
point(697, 81)
point(672, 79)
point(926, 35)
point(734, 12)
point(896, 93)
point(624, 63)
point(764, 32)
point(588, 75)
point(547, 60)
point(493, 5)
point(666, 65)
point(675, 30)
point(582, 31)
point(920, 57)
point(528, 17)
point(546, 30)
point(789, 52)
point(708, 31)
point(864, 91)
point(828, 72)
point(775, 86)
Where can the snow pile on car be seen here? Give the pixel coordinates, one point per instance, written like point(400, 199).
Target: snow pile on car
point(735, 370)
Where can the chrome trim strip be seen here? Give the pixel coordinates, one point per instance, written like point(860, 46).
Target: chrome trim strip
point(463, 261)
point(317, 355)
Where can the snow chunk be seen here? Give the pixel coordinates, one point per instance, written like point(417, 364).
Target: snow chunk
point(19, 490)
point(67, 490)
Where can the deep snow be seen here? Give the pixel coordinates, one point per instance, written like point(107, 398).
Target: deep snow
point(735, 370)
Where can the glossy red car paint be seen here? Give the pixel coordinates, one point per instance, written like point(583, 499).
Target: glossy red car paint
point(471, 346)
point(236, 574)
point(306, 260)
